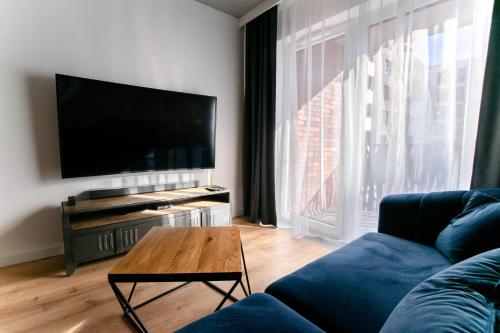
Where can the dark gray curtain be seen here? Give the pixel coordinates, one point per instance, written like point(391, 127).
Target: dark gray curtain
point(486, 172)
point(260, 111)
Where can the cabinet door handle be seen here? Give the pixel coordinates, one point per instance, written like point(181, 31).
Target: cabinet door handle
point(99, 242)
point(136, 235)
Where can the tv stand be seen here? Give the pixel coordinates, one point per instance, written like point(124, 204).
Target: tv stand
point(111, 225)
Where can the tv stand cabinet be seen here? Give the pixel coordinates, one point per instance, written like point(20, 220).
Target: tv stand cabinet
point(100, 228)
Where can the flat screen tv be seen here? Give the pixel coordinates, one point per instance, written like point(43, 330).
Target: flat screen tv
point(109, 128)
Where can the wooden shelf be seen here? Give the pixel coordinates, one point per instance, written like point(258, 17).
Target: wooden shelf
point(93, 222)
point(190, 206)
point(169, 196)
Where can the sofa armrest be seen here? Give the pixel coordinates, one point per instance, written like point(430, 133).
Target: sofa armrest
point(398, 215)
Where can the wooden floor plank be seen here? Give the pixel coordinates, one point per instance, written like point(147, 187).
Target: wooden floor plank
point(38, 297)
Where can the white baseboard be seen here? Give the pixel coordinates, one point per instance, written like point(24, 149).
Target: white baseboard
point(238, 213)
point(42, 253)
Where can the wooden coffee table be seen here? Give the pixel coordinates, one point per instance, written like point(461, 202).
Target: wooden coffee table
point(181, 255)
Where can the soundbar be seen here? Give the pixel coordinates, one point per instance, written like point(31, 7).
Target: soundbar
point(118, 191)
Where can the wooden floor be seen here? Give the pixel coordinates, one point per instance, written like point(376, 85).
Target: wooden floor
point(38, 297)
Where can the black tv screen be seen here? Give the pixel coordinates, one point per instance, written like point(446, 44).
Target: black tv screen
point(109, 128)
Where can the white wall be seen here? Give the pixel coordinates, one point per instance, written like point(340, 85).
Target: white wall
point(167, 44)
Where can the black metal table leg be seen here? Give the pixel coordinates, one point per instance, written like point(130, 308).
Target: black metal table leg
point(220, 291)
point(246, 272)
point(244, 289)
point(161, 295)
point(131, 292)
point(228, 294)
point(128, 310)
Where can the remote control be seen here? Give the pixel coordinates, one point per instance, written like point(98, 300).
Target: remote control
point(215, 188)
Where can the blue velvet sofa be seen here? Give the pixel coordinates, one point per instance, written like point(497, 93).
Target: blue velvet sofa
point(419, 254)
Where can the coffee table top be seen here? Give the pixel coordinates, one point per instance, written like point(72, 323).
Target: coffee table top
point(182, 254)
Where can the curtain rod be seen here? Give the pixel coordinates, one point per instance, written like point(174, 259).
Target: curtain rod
point(267, 4)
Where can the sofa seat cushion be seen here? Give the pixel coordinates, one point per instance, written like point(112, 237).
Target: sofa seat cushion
point(355, 288)
point(462, 298)
point(257, 313)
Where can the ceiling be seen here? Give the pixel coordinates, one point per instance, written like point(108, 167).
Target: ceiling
point(236, 8)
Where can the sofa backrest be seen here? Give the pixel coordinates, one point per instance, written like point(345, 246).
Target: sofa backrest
point(435, 213)
point(420, 217)
point(491, 191)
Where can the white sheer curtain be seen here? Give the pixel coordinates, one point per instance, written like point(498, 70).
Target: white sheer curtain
point(373, 97)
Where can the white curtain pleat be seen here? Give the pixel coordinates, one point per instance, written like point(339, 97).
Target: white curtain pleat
point(353, 125)
point(373, 97)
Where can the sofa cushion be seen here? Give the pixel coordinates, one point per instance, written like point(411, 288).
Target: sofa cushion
point(462, 298)
point(473, 231)
point(257, 313)
point(355, 288)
